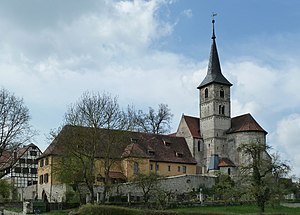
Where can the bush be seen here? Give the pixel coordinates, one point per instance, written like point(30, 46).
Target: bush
point(90, 209)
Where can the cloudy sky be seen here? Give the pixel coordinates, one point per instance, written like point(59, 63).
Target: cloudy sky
point(155, 51)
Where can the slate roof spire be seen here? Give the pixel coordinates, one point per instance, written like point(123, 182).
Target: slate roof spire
point(214, 73)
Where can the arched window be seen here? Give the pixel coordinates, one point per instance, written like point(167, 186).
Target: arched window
point(222, 93)
point(206, 93)
point(220, 109)
point(223, 109)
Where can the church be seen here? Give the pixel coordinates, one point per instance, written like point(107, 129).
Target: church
point(201, 147)
point(214, 137)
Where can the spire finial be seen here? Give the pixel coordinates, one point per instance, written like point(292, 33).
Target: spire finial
point(213, 22)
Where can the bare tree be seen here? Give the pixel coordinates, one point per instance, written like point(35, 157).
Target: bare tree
point(97, 135)
point(157, 122)
point(262, 172)
point(15, 129)
point(147, 183)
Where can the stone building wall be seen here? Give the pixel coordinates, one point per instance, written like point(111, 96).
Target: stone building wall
point(175, 184)
point(235, 140)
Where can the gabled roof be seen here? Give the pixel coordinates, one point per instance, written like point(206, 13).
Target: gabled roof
point(116, 175)
point(245, 123)
point(226, 162)
point(214, 74)
point(125, 147)
point(193, 124)
point(240, 123)
point(134, 150)
point(7, 159)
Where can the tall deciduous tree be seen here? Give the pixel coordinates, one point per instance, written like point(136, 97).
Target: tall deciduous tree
point(92, 112)
point(157, 122)
point(15, 129)
point(262, 172)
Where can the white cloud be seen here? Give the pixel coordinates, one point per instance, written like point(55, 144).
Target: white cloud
point(188, 13)
point(50, 57)
point(109, 48)
point(286, 140)
point(239, 108)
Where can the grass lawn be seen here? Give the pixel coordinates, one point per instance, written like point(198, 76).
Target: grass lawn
point(242, 209)
point(18, 210)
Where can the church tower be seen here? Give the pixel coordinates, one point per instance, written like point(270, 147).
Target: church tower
point(215, 118)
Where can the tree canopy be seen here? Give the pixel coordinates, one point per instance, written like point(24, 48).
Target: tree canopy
point(15, 129)
point(262, 172)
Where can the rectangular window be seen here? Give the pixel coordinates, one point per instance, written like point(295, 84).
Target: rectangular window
point(46, 178)
point(25, 170)
point(17, 169)
point(135, 168)
point(35, 161)
point(157, 167)
point(46, 161)
point(178, 168)
point(21, 160)
point(41, 162)
point(29, 161)
point(41, 179)
point(151, 153)
point(184, 169)
point(151, 167)
point(33, 170)
point(33, 153)
point(169, 168)
point(199, 146)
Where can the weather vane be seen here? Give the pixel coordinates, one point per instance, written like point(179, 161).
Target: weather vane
point(213, 23)
point(213, 16)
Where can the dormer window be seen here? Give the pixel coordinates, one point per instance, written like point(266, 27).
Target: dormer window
point(167, 143)
point(134, 140)
point(179, 154)
point(206, 93)
point(151, 152)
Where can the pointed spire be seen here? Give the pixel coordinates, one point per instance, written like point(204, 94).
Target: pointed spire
point(213, 24)
point(214, 73)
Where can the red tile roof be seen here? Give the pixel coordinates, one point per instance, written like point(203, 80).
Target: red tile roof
point(144, 142)
point(4, 159)
point(245, 123)
point(225, 162)
point(238, 124)
point(117, 175)
point(193, 124)
point(7, 158)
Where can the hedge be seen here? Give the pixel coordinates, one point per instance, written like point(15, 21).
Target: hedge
point(90, 209)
